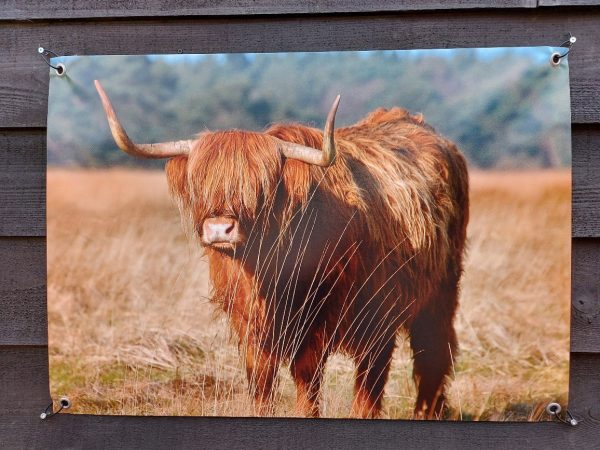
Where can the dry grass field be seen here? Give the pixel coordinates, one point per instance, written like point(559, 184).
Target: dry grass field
point(131, 330)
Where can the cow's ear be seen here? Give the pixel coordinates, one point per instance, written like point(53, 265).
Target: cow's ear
point(176, 169)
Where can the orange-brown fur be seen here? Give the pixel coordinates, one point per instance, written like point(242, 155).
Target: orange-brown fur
point(338, 258)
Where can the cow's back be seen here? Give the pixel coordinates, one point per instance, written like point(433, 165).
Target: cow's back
point(414, 184)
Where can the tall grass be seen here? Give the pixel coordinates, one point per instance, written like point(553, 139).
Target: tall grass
point(132, 332)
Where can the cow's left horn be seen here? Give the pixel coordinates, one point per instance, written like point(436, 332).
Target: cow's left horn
point(323, 157)
point(150, 151)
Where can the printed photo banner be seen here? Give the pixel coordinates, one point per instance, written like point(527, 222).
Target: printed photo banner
point(374, 234)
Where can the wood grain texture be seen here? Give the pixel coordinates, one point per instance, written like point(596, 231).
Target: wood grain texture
point(48, 9)
point(584, 390)
point(23, 316)
point(543, 3)
point(71, 431)
point(586, 181)
point(23, 183)
point(23, 86)
point(83, 431)
point(24, 386)
point(585, 296)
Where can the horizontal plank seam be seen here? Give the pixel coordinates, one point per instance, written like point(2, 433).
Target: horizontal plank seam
point(42, 346)
point(42, 130)
point(17, 234)
point(18, 346)
point(229, 12)
point(282, 419)
point(281, 13)
point(22, 238)
point(226, 15)
point(29, 129)
point(24, 129)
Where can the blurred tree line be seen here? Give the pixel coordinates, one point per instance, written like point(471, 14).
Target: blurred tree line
point(508, 110)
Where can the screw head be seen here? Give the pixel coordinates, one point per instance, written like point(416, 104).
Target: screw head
point(43, 415)
point(574, 422)
point(40, 49)
point(572, 39)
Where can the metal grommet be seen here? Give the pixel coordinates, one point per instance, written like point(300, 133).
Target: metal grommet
point(553, 408)
point(555, 58)
point(60, 70)
point(65, 403)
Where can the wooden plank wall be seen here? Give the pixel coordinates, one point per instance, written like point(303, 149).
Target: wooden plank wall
point(136, 27)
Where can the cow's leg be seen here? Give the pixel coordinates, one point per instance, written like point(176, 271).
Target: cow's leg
point(372, 370)
point(307, 369)
point(261, 371)
point(433, 342)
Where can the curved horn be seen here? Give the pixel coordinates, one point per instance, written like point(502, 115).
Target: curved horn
point(150, 151)
point(323, 157)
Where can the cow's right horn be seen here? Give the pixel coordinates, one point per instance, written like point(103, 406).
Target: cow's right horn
point(150, 151)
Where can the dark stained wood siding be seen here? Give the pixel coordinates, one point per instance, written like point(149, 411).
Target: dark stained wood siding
point(22, 182)
point(542, 3)
point(136, 27)
point(48, 9)
point(23, 291)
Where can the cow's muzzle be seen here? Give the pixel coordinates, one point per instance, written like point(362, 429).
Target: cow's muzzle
point(221, 232)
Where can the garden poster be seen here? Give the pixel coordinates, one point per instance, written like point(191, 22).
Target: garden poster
point(366, 234)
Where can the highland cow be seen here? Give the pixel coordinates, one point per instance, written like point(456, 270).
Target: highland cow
point(323, 242)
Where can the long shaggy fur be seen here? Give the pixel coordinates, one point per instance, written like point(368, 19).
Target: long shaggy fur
point(338, 258)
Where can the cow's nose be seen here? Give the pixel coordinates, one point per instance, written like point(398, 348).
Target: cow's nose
point(220, 230)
